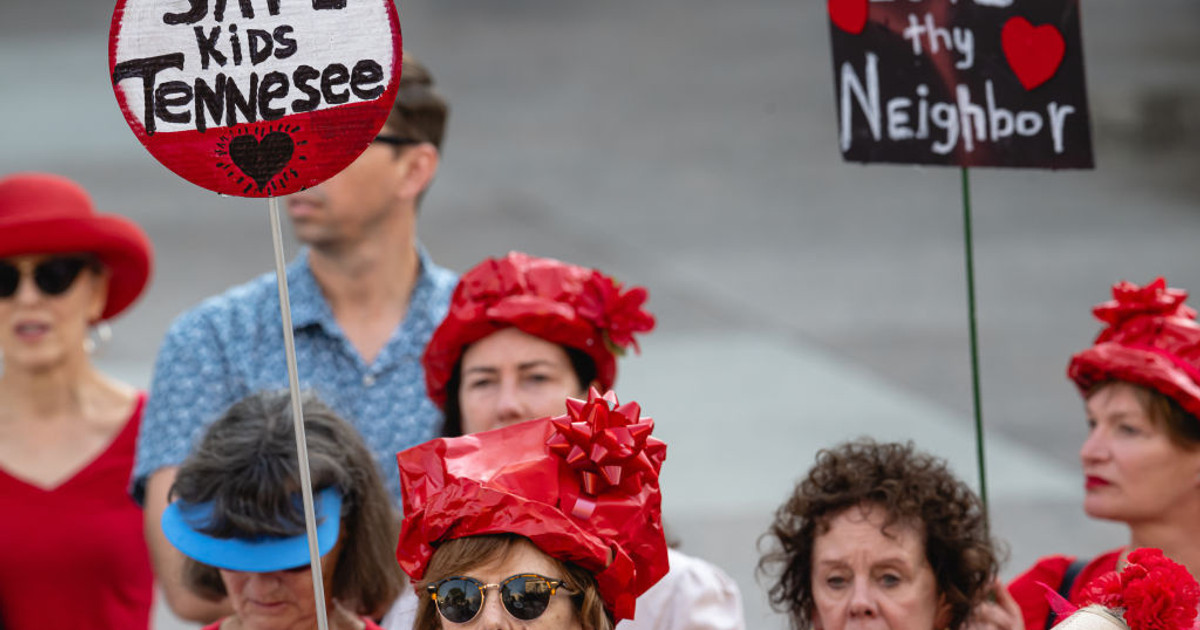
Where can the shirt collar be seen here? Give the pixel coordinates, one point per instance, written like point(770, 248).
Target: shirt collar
point(309, 306)
point(308, 303)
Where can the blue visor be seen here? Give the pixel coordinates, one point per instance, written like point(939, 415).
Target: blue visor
point(181, 523)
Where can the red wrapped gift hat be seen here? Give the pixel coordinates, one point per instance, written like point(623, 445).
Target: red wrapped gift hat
point(49, 214)
point(582, 487)
point(1152, 339)
point(562, 303)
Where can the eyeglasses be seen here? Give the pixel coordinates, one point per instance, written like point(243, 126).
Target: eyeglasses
point(52, 277)
point(396, 141)
point(525, 596)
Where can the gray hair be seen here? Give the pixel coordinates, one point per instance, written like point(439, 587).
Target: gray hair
point(246, 465)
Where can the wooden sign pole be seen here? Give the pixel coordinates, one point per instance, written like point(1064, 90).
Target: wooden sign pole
point(289, 345)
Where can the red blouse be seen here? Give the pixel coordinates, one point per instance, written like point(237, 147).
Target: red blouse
point(73, 556)
point(1050, 571)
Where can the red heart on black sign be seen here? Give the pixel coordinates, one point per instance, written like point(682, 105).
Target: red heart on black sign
point(849, 15)
point(1033, 52)
point(264, 159)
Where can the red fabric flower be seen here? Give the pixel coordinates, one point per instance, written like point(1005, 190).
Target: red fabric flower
point(1130, 301)
point(1154, 592)
point(619, 314)
point(573, 306)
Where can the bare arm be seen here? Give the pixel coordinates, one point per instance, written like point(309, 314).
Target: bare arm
point(168, 562)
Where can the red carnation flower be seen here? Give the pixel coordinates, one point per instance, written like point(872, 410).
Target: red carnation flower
point(1154, 592)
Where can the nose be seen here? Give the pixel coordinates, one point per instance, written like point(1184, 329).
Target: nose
point(1094, 448)
point(262, 583)
point(27, 291)
point(862, 601)
point(510, 407)
point(493, 616)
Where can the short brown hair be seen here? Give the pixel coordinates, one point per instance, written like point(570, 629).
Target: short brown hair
point(246, 464)
point(420, 111)
point(460, 555)
point(911, 487)
point(1182, 428)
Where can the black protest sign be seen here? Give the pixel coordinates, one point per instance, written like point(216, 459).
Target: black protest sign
point(961, 82)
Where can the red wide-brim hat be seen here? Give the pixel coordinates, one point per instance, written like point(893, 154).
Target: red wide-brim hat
point(582, 487)
point(49, 214)
point(1152, 339)
point(565, 304)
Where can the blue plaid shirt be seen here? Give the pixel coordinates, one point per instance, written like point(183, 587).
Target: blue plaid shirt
point(231, 345)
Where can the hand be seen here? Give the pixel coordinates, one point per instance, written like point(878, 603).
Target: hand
point(999, 612)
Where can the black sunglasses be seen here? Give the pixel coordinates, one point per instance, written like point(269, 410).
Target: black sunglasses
point(52, 277)
point(396, 141)
point(525, 596)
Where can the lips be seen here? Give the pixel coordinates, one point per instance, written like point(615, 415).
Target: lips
point(302, 204)
point(31, 331)
point(1094, 482)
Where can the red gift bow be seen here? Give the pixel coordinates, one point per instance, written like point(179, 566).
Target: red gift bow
point(1130, 301)
point(606, 444)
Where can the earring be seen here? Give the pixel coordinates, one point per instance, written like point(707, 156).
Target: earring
point(97, 338)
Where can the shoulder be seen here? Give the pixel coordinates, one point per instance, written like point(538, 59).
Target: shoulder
point(692, 571)
point(1096, 567)
point(441, 279)
point(1029, 593)
point(234, 308)
point(693, 594)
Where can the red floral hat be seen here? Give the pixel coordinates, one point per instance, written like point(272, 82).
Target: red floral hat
point(582, 487)
point(49, 214)
point(565, 304)
point(1152, 339)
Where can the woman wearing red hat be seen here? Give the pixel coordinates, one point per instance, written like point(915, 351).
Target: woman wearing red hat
point(522, 335)
point(550, 524)
point(1140, 381)
point(73, 555)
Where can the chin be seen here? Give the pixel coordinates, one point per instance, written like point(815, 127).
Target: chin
point(1104, 510)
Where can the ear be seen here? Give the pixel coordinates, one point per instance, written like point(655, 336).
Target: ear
point(99, 295)
point(944, 613)
point(419, 164)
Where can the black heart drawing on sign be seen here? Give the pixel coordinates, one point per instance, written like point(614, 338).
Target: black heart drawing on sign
point(264, 159)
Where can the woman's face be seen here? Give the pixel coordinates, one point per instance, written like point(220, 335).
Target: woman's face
point(279, 600)
point(511, 376)
point(522, 557)
point(1132, 470)
point(40, 331)
point(865, 578)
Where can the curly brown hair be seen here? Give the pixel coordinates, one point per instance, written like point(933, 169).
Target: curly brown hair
point(911, 487)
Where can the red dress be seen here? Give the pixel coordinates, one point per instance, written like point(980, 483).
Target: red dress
point(1050, 570)
point(74, 556)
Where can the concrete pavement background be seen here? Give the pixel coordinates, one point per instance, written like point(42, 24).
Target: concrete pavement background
point(690, 146)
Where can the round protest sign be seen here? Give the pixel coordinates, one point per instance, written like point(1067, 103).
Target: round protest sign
point(255, 98)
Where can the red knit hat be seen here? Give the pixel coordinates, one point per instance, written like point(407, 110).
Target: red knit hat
point(561, 303)
point(1152, 340)
point(582, 487)
point(49, 214)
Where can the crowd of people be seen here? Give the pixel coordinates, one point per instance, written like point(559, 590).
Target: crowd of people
point(471, 464)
